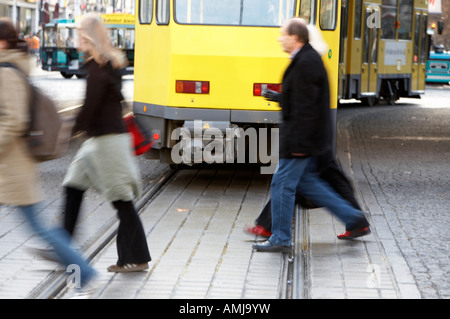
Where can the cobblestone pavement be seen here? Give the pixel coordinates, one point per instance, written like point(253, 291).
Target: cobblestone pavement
point(403, 153)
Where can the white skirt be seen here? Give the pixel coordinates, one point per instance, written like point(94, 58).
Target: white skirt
point(107, 164)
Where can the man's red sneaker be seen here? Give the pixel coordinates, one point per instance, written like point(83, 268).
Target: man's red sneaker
point(351, 234)
point(257, 230)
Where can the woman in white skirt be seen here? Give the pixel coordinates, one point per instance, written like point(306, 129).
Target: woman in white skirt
point(105, 161)
point(19, 172)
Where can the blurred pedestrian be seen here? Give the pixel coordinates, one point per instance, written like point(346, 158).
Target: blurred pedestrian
point(35, 46)
point(327, 166)
point(19, 178)
point(105, 161)
point(35, 43)
point(304, 135)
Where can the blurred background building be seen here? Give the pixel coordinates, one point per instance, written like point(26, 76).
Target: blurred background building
point(439, 21)
point(28, 15)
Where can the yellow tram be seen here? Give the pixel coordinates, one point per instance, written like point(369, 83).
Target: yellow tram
point(202, 65)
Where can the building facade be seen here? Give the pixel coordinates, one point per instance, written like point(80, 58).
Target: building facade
point(444, 16)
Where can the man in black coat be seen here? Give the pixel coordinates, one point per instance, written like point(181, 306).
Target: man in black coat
point(304, 135)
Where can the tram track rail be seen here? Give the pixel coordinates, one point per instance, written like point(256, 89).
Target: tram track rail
point(295, 275)
point(55, 285)
point(301, 263)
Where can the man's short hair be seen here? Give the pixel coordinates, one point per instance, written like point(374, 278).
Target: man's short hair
point(297, 26)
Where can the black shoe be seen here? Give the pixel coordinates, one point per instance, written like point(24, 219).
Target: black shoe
point(267, 246)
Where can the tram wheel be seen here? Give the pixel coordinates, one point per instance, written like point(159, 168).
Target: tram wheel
point(390, 101)
point(369, 101)
point(66, 75)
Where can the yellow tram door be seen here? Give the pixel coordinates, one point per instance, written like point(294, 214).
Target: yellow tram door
point(419, 51)
point(369, 51)
point(343, 49)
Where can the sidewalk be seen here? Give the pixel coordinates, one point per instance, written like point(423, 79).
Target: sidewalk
point(199, 250)
point(196, 240)
point(357, 268)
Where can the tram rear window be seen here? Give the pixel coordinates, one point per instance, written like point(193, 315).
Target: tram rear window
point(271, 13)
point(388, 19)
point(145, 11)
point(405, 19)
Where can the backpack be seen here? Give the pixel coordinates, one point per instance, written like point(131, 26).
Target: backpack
point(48, 134)
point(141, 140)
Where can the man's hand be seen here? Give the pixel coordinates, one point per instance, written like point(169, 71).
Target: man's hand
point(272, 95)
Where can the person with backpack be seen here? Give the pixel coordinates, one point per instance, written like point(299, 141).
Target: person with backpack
point(106, 160)
point(19, 176)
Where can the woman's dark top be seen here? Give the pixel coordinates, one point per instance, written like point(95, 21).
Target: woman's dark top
point(101, 113)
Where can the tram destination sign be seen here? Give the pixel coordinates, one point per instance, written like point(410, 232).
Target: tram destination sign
point(394, 52)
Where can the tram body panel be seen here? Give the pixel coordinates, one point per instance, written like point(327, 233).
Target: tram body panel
point(233, 62)
point(152, 65)
point(331, 62)
point(230, 63)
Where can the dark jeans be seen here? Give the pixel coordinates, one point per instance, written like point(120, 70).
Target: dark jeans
point(131, 240)
point(60, 241)
point(300, 175)
point(329, 172)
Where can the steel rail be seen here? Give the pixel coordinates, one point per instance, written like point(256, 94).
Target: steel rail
point(301, 263)
point(294, 276)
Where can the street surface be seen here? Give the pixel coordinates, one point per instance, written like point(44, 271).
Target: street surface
point(401, 156)
point(398, 157)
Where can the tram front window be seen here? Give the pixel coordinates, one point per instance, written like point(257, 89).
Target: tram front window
point(66, 38)
point(50, 37)
point(122, 38)
point(271, 13)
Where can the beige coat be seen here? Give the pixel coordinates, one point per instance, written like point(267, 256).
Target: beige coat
point(18, 171)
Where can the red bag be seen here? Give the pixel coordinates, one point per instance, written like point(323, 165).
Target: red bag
point(142, 142)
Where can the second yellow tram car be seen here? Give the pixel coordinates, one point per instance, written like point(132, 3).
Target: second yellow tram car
point(208, 61)
point(384, 49)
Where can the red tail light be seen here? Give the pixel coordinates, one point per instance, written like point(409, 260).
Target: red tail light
point(195, 87)
point(260, 88)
